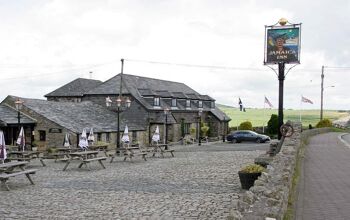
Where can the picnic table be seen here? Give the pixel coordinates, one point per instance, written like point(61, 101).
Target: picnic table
point(99, 147)
point(130, 152)
point(60, 153)
point(23, 156)
point(161, 149)
point(85, 157)
point(15, 168)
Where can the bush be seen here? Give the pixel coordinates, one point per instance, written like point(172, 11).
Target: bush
point(193, 132)
point(247, 125)
point(324, 123)
point(253, 168)
point(272, 124)
point(204, 130)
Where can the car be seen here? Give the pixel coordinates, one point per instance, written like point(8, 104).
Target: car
point(239, 136)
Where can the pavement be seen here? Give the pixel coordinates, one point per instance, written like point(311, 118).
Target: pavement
point(324, 186)
point(200, 182)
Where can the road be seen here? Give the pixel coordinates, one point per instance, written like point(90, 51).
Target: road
point(324, 186)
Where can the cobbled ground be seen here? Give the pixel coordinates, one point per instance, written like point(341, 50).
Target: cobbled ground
point(200, 182)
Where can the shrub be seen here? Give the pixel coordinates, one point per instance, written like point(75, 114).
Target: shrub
point(247, 125)
point(272, 124)
point(193, 132)
point(253, 168)
point(204, 130)
point(324, 123)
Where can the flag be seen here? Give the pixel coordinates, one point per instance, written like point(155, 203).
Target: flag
point(3, 154)
point(303, 99)
point(21, 141)
point(240, 104)
point(268, 102)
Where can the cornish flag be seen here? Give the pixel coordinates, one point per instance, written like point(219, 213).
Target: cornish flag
point(306, 100)
point(268, 102)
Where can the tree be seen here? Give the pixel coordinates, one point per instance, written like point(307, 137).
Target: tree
point(272, 124)
point(247, 125)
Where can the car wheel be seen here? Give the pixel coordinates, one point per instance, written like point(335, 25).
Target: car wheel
point(234, 141)
point(258, 140)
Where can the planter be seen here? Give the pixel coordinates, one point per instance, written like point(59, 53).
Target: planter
point(248, 179)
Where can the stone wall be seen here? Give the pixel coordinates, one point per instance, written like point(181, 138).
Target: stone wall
point(269, 195)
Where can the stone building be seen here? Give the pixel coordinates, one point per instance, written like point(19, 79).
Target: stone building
point(82, 104)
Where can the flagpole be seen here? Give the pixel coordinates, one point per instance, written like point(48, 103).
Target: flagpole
point(264, 116)
point(301, 104)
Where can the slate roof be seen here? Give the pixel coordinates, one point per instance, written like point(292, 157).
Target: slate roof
point(8, 115)
point(220, 114)
point(77, 116)
point(77, 87)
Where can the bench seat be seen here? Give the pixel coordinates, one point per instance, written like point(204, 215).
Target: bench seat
point(5, 176)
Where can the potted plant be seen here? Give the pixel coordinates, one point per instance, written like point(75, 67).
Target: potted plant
point(248, 175)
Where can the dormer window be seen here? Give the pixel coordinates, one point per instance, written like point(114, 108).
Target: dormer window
point(200, 104)
point(173, 103)
point(188, 103)
point(212, 105)
point(156, 101)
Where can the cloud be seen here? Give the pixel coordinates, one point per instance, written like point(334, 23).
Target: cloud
point(46, 44)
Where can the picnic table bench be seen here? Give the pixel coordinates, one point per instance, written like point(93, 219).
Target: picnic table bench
point(85, 157)
point(9, 169)
point(130, 152)
point(23, 156)
point(161, 149)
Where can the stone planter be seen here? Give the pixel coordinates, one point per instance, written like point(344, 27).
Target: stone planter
point(248, 179)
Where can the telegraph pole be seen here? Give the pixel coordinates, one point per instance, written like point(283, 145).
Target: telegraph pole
point(322, 78)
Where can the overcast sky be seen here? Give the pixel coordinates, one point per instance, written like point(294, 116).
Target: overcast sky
point(45, 44)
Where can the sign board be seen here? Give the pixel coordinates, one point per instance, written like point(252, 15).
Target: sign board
point(282, 44)
point(55, 130)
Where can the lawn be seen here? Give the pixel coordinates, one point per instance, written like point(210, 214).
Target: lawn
point(259, 117)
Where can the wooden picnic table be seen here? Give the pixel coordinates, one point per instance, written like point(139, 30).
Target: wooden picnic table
point(85, 157)
point(12, 169)
point(103, 148)
point(161, 149)
point(130, 152)
point(23, 155)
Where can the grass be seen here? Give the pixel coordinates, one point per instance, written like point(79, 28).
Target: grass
point(260, 117)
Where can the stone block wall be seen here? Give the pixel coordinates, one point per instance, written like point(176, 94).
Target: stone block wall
point(269, 195)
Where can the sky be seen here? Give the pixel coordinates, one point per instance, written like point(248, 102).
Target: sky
point(48, 43)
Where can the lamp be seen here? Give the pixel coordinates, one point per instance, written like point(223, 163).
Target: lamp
point(166, 112)
point(121, 103)
point(200, 110)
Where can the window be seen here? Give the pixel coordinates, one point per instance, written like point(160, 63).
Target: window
point(134, 136)
point(188, 103)
point(173, 103)
point(187, 128)
point(108, 137)
point(42, 135)
point(156, 101)
point(212, 104)
point(99, 136)
point(200, 104)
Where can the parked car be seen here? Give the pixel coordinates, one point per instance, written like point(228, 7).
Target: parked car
point(239, 136)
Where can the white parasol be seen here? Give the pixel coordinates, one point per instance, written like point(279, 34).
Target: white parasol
point(3, 154)
point(67, 142)
point(83, 143)
point(156, 136)
point(125, 137)
point(91, 137)
point(21, 141)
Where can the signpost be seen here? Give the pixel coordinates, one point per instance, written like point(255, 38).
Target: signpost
point(282, 46)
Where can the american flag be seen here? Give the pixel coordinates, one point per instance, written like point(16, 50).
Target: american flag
point(303, 99)
point(268, 102)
